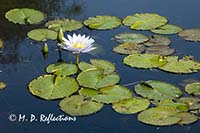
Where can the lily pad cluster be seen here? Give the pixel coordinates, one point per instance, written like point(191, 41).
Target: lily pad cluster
point(83, 93)
point(132, 43)
point(168, 107)
point(166, 63)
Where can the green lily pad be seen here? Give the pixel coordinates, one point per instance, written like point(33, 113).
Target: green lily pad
point(193, 88)
point(65, 24)
point(145, 60)
point(185, 65)
point(131, 106)
point(190, 34)
point(186, 118)
point(160, 50)
point(79, 106)
point(62, 69)
point(167, 29)
point(42, 34)
point(131, 38)
point(24, 16)
point(113, 94)
point(88, 92)
point(106, 66)
point(103, 22)
point(1, 44)
point(144, 21)
point(94, 78)
point(2, 85)
point(51, 87)
point(159, 116)
point(156, 40)
point(83, 66)
point(178, 106)
point(157, 90)
point(129, 48)
point(193, 102)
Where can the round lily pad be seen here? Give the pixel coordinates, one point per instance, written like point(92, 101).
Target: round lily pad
point(65, 24)
point(178, 106)
point(145, 60)
point(159, 116)
point(190, 34)
point(144, 21)
point(157, 90)
point(62, 69)
point(2, 85)
point(193, 102)
point(193, 88)
point(131, 38)
point(185, 65)
point(103, 22)
point(51, 87)
point(79, 106)
point(24, 16)
point(155, 40)
point(106, 66)
point(112, 94)
point(85, 66)
point(186, 118)
point(131, 106)
point(129, 48)
point(88, 92)
point(160, 50)
point(94, 78)
point(167, 29)
point(42, 34)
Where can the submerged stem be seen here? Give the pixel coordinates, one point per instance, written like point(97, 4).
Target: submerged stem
point(77, 58)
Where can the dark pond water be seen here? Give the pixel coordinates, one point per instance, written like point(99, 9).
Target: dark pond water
point(22, 60)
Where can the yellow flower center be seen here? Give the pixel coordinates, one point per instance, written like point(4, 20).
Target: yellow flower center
point(79, 45)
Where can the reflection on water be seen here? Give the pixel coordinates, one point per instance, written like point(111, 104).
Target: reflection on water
point(14, 34)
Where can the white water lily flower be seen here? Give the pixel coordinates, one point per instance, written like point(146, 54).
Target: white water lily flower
point(78, 44)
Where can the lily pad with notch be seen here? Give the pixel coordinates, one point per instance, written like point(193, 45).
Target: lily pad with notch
point(94, 78)
point(129, 48)
point(52, 87)
point(159, 116)
point(156, 40)
point(110, 94)
point(144, 21)
point(24, 16)
point(178, 106)
point(131, 38)
point(65, 24)
point(192, 102)
point(190, 34)
point(193, 88)
point(102, 22)
point(183, 66)
point(62, 69)
point(157, 90)
point(167, 29)
point(131, 106)
point(106, 66)
point(42, 34)
point(77, 105)
point(145, 60)
point(160, 50)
